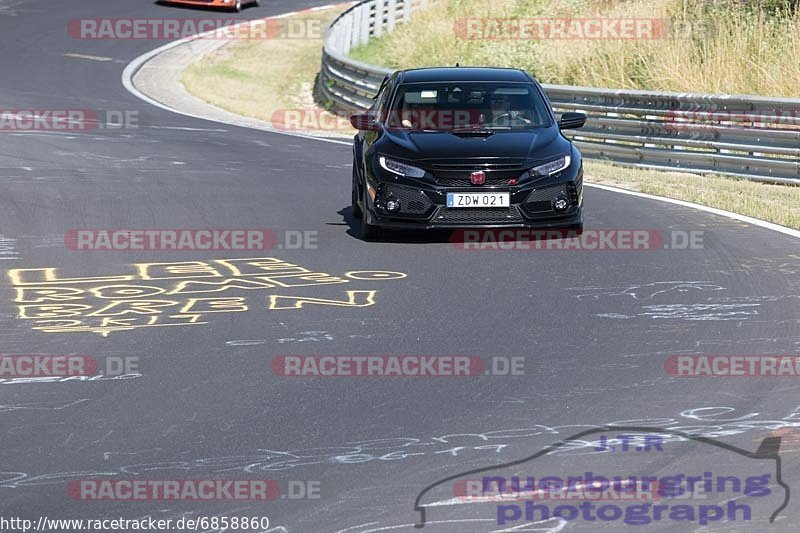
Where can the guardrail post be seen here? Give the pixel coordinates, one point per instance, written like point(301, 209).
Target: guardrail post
point(365, 20)
point(380, 11)
point(355, 35)
point(348, 34)
point(391, 15)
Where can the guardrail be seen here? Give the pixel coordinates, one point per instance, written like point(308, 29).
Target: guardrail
point(751, 137)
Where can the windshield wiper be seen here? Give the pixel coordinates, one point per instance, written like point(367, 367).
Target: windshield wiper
point(472, 129)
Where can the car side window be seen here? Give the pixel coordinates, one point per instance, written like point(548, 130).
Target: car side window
point(379, 107)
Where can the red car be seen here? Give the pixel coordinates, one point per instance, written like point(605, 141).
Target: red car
point(235, 5)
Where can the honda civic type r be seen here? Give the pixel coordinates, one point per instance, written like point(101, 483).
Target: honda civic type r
point(456, 147)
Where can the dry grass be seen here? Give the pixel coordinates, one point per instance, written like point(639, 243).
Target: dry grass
point(710, 46)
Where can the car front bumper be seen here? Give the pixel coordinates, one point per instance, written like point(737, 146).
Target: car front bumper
point(423, 205)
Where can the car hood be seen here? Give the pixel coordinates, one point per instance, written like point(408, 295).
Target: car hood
point(536, 144)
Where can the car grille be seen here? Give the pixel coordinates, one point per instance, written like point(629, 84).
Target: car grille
point(478, 215)
point(460, 181)
point(412, 201)
point(457, 175)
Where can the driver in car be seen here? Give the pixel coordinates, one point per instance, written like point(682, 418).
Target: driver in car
point(501, 113)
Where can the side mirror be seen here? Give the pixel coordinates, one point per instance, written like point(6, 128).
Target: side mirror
point(363, 121)
point(572, 120)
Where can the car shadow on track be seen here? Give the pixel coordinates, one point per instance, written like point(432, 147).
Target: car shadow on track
point(422, 236)
point(395, 236)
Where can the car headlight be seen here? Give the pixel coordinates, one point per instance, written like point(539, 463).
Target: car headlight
point(552, 167)
point(402, 169)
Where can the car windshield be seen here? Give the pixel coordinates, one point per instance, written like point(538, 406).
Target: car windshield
point(465, 106)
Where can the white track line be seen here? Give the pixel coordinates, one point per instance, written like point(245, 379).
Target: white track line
point(136, 64)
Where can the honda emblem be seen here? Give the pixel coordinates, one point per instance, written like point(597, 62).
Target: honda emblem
point(477, 178)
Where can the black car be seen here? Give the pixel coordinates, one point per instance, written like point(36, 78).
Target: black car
point(457, 147)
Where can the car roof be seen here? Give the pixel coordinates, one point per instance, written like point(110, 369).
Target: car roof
point(439, 74)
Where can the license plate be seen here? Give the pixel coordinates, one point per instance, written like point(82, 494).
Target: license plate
point(479, 199)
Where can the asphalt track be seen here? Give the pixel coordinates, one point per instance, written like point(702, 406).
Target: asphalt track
point(594, 327)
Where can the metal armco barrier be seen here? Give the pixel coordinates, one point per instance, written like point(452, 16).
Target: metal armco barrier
point(752, 137)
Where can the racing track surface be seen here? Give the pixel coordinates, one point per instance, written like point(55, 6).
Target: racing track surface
point(594, 327)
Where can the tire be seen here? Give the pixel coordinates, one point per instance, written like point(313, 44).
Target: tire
point(237, 7)
point(354, 195)
point(369, 232)
point(256, 3)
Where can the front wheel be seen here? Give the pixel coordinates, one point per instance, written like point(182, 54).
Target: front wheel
point(237, 6)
